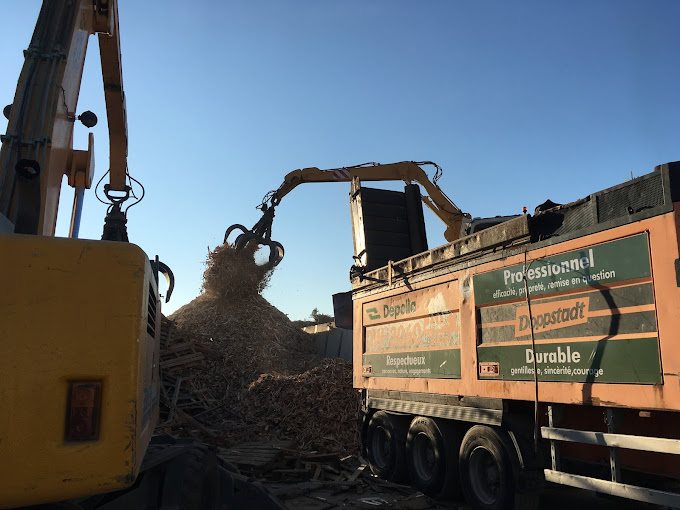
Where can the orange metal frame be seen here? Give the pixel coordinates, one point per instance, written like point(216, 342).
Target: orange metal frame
point(663, 242)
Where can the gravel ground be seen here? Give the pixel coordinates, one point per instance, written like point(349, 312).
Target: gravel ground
point(403, 498)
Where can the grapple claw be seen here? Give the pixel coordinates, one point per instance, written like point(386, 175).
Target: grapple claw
point(276, 250)
point(234, 227)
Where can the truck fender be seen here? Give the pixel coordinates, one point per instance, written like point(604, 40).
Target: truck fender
point(526, 472)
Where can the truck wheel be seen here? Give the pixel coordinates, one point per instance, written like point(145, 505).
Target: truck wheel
point(485, 470)
point(386, 445)
point(432, 457)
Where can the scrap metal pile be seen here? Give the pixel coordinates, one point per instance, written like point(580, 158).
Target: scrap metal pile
point(235, 369)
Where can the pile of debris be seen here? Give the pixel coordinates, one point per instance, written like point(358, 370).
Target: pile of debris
point(322, 481)
point(318, 407)
point(236, 369)
point(231, 274)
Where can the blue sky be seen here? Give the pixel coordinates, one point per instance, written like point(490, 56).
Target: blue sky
point(518, 101)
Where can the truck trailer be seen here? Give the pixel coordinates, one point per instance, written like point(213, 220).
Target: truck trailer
point(540, 349)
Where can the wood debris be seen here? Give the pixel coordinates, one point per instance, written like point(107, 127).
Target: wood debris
point(232, 274)
point(235, 369)
point(318, 407)
point(239, 375)
point(254, 457)
point(339, 482)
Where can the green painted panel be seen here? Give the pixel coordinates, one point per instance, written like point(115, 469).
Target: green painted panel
point(614, 361)
point(615, 261)
point(600, 299)
point(444, 364)
point(635, 323)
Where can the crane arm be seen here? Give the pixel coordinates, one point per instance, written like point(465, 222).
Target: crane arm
point(408, 171)
point(37, 150)
point(106, 25)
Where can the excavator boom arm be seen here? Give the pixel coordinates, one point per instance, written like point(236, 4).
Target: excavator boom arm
point(408, 171)
point(106, 24)
point(37, 150)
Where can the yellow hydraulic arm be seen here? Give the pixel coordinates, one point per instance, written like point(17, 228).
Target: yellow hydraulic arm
point(408, 171)
point(106, 25)
point(38, 148)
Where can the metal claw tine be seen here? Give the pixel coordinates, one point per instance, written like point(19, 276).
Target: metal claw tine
point(232, 228)
point(276, 253)
point(243, 239)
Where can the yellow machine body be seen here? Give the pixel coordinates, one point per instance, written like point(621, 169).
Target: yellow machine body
point(74, 310)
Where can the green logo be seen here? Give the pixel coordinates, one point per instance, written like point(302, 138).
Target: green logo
point(372, 313)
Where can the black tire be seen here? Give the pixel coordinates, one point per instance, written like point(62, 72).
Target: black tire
point(486, 474)
point(386, 446)
point(432, 448)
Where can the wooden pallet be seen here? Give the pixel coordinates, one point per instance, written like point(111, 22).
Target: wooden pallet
point(180, 354)
point(255, 456)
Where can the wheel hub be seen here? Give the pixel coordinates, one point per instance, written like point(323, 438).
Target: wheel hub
point(424, 457)
point(382, 447)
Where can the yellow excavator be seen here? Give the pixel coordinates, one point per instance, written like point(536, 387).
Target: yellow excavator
point(80, 319)
point(407, 171)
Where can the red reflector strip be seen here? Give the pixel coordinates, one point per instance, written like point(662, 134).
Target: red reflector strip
point(340, 174)
point(82, 414)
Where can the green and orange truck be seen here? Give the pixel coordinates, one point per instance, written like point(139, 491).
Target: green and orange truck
point(544, 348)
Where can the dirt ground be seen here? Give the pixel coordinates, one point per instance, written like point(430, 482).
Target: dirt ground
point(324, 497)
point(317, 496)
